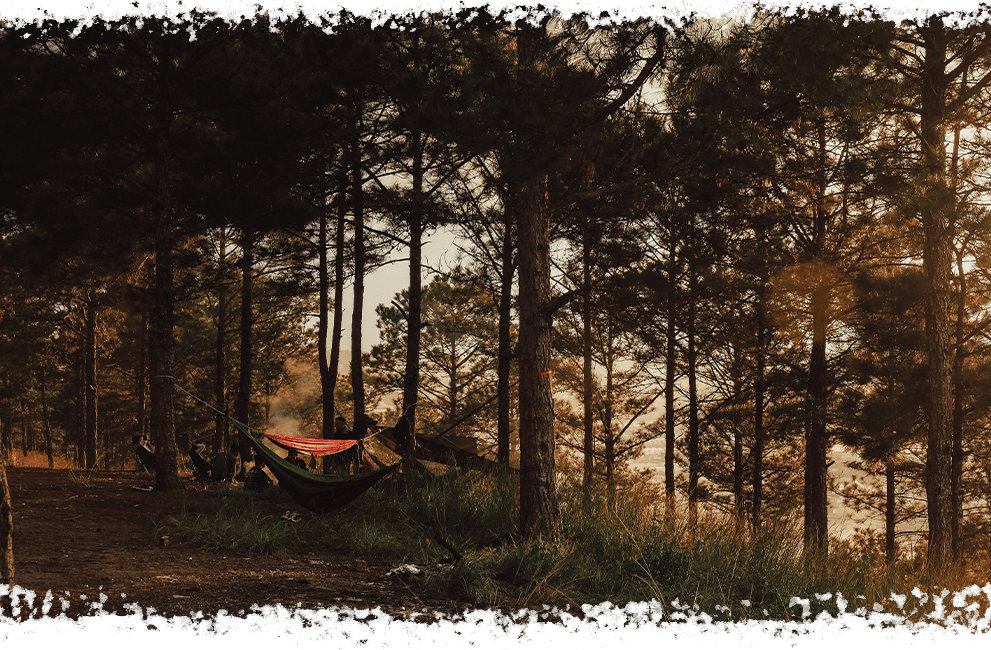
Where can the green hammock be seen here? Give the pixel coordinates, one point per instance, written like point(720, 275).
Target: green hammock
point(316, 492)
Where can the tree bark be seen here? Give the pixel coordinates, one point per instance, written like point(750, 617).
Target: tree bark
point(757, 481)
point(670, 368)
point(411, 377)
point(889, 511)
point(334, 363)
point(588, 441)
point(90, 386)
point(6, 530)
point(242, 402)
point(141, 377)
point(358, 209)
point(505, 342)
point(815, 443)
point(539, 510)
point(328, 375)
point(220, 419)
point(46, 423)
point(738, 499)
point(691, 354)
point(539, 514)
point(956, 472)
point(162, 348)
point(937, 260)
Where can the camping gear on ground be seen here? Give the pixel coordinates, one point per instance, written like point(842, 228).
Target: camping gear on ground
point(201, 468)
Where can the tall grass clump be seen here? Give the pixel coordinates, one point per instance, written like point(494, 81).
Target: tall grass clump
point(467, 510)
point(621, 547)
point(626, 548)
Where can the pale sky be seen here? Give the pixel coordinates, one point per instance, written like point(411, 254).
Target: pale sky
point(382, 285)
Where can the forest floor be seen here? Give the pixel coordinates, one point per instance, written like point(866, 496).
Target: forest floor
point(93, 536)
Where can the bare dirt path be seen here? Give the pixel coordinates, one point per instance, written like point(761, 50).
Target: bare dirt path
point(90, 536)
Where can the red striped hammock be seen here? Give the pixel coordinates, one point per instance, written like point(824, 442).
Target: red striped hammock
point(313, 446)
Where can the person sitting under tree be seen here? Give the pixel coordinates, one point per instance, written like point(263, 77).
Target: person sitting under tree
point(256, 478)
point(226, 466)
point(294, 459)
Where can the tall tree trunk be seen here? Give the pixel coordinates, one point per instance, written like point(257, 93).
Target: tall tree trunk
point(505, 342)
point(162, 349)
point(937, 258)
point(815, 511)
point(956, 487)
point(358, 208)
point(889, 510)
point(327, 374)
point(670, 368)
point(588, 442)
point(607, 417)
point(333, 364)
point(411, 377)
point(539, 512)
point(91, 406)
point(141, 377)
point(25, 428)
point(691, 362)
point(242, 401)
point(45, 422)
point(738, 500)
point(757, 482)
point(956, 472)
point(6, 530)
point(6, 425)
point(815, 444)
point(221, 425)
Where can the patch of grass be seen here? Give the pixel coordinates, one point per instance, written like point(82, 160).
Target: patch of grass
point(231, 528)
point(621, 550)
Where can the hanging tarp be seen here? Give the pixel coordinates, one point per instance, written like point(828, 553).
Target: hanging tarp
point(313, 446)
point(316, 492)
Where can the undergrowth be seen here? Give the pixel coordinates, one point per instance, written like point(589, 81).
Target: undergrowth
point(620, 551)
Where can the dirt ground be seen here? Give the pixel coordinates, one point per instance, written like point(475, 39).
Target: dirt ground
point(91, 536)
point(89, 544)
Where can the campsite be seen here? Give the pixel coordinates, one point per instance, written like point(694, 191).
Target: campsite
point(390, 309)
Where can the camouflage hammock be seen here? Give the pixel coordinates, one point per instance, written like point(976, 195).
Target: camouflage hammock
point(316, 492)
